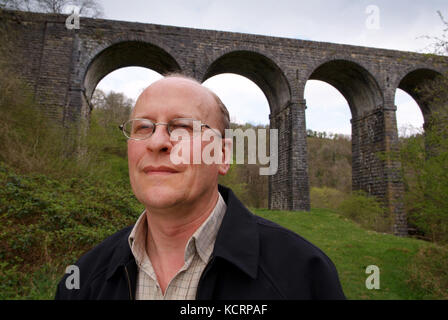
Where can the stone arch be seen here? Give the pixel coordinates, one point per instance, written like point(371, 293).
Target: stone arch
point(259, 68)
point(353, 81)
point(412, 79)
point(372, 131)
point(125, 54)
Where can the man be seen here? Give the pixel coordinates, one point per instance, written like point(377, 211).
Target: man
point(195, 239)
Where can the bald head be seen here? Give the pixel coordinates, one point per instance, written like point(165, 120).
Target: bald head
point(188, 90)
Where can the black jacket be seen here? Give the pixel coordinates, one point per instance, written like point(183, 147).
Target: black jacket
point(253, 258)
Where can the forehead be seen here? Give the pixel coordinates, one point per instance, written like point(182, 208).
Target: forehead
point(174, 97)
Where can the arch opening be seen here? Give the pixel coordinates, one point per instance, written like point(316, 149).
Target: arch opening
point(409, 116)
point(245, 101)
point(259, 69)
point(127, 54)
point(327, 109)
point(363, 96)
point(328, 141)
point(355, 83)
point(130, 81)
point(411, 83)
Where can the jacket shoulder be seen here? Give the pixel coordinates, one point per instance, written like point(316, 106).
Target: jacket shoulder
point(294, 264)
point(108, 246)
point(275, 233)
point(94, 263)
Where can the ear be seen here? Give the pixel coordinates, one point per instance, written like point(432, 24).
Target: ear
point(227, 146)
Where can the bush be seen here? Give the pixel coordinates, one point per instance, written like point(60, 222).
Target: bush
point(366, 211)
point(424, 158)
point(328, 198)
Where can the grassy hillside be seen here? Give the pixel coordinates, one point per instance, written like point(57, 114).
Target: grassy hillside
point(45, 224)
point(402, 262)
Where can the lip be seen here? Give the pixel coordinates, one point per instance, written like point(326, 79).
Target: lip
point(159, 170)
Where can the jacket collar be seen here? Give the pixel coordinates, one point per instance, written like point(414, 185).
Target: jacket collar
point(122, 255)
point(237, 240)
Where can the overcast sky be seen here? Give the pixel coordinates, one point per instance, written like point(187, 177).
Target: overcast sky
point(399, 27)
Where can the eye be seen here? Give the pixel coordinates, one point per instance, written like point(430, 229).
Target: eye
point(142, 127)
point(181, 124)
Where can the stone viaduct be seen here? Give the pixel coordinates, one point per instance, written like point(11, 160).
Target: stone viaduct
point(64, 66)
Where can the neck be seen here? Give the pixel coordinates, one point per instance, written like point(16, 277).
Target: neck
point(168, 232)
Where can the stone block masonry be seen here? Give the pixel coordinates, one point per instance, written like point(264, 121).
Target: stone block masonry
point(64, 66)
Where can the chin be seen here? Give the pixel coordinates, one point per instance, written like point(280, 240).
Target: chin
point(162, 196)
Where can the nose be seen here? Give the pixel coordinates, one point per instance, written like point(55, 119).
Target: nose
point(159, 141)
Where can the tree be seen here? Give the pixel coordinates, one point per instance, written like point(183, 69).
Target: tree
point(87, 8)
point(424, 159)
point(114, 107)
point(424, 156)
point(439, 45)
point(109, 111)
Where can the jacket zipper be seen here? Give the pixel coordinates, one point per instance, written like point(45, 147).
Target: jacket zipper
point(129, 283)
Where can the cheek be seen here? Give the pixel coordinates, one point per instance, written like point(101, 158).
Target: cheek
point(183, 153)
point(134, 154)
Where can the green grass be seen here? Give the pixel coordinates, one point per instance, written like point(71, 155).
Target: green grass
point(352, 249)
point(46, 224)
point(349, 246)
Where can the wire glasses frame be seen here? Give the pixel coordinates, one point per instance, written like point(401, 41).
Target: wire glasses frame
point(141, 129)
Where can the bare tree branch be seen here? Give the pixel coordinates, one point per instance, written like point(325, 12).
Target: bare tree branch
point(87, 8)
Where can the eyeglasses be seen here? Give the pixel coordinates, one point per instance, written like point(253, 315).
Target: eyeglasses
point(141, 129)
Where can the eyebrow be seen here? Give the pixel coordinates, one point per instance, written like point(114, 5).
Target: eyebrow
point(179, 115)
point(175, 116)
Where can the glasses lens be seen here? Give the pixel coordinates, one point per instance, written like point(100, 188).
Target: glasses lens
point(183, 128)
point(138, 129)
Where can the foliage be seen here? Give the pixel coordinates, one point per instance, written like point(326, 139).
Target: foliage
point(105, 142)
point(325, 197)
point(330, 161)
point(424, 159)
point(366, 211)
point(45, 221)
point(431, 277)
point(424, 156)
point(55, 205)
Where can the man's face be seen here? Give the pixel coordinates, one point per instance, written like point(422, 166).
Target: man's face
point(155, 180)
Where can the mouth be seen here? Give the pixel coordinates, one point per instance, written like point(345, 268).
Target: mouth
point(159, 170)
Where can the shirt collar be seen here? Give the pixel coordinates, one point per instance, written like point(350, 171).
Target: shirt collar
point(202, 241)
point(237, 240)
point(137, 238)
point(205, 236)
